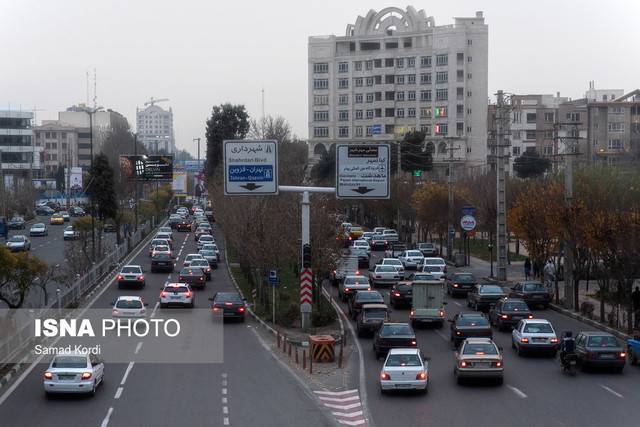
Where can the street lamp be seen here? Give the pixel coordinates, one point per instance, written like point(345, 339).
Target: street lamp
point(91, 112)
point(490, 246)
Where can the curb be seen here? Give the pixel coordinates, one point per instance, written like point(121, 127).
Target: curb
point(591, 322)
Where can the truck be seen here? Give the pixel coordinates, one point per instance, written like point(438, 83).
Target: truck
point(427, 302)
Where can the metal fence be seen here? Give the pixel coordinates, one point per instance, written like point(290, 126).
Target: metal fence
point(14, 343)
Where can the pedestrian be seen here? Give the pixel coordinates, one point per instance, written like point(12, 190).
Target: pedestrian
point(549, 272)
point(527, 268)
point(536, 270)
point(635, 300)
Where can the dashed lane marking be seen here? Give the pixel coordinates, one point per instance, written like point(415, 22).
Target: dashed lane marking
point(518, 392)
point(612, 391)
point(138, 347)
point(105, 421)
point(126, 373)
point(442, 335)
point(118, 393)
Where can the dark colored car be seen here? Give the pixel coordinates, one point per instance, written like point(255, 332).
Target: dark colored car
point(483, 295)
point(193, 276)
point(401, 295)
point(533, 293)
point(109, 227)
point(184, 225)
point(428, 249)
point(371, 317)
point(363, 257)
point(174, 220)
point(16, 223)
point(229, 304)
point(378, 243)
point(393, 335)
point(460, 283)
point(600, 350)
point(469, 325)
point(363, 297)
point(507, 312)
point(76, 211)
point(44, 210)
point(161, 262)
point(204, 265)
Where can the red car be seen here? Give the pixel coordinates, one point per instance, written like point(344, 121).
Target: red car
point(184, 226)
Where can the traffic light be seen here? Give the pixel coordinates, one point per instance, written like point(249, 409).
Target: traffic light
point(306, 256)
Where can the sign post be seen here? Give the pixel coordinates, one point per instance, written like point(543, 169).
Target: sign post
point(273, 281)
point(362, 171)
point(250, 167)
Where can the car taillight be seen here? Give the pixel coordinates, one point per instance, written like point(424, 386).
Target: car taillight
point(208, 270)
point(48, 376)
point(422, 375)
point(386, 243)
point(163, 294)
point(463, 364)
point(441, 313)
point(385, 376)
point(530, 316)
point(396, 294)
point(458, 333)
point(524, 340)
point(498, 364)
point(240, 309)
point(201, 278)
point(622, 355)
point(412, 312)
point(554, 340)
point(347, 290)
point(115, 311)
point(86, 375)
point(414, 342)
point(120, 277)
point(455, 285)
point(188, 294)
point(141, 278)
point(504, 316)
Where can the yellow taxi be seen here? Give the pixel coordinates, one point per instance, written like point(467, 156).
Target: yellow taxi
point(355, 232)
point(56, 219)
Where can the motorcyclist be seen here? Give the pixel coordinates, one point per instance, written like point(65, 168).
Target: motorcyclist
point(567, 347)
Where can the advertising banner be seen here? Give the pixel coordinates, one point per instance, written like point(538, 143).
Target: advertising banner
point(147, 168)
point(179, 183)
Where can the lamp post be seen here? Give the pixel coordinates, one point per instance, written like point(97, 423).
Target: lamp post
point(490, 246)
point(91, 112)
point(135, 182)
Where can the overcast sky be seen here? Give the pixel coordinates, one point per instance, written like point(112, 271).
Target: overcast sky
point(199, 53)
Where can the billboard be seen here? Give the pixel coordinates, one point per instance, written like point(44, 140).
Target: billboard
point(44, 184)
point(198, 183)
point(179, 183)
point(147, 168)
point(75, 180)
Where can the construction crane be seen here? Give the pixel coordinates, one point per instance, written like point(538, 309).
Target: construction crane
point(152, 101)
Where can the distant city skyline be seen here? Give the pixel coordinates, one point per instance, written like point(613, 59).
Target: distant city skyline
point(211, 53)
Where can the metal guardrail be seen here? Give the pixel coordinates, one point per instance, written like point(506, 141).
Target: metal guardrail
point(14, 344)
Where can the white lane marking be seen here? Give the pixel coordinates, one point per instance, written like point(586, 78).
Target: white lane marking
point(138, 347)
point(224, 375)
point(225, 400)
point(155, 307)
point(224, 383)
point(347, 414)
point(225, 421)
point(343, 407)
point(518, 392)
point(615, 393)
point(225, 410)
point(224, 391)
point(118, 392)
point(443, 336)
point(337, 393)
point(126, 373)
point(339, 399)
point(105, 421)
point(457, 303)
point(351, 423)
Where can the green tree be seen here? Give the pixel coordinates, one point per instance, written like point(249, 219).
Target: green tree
point(415, 155)
point(60, 183)
point(19, 273)
point(102, 188)
point(530, 165)
point(227, 121)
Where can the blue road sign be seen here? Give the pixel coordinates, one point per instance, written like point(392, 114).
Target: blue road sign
point(254, 173)
point(251, 167)
point(273, 277)
point(376, 129)
point(452, 231)
point(468, 210)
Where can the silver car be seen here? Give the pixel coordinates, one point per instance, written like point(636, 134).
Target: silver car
point(395, 262)
point(70, 234)
point(18, 243)
point(129, 307)
point(38, 229)
point(205, 239)
point(384, 275)
point(176, 294)
point(405, 369)
point(351, 284)
point(411, 259)
point(73, 373)
point(534, 335)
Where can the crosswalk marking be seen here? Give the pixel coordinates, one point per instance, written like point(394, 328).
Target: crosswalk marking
point(346, 404)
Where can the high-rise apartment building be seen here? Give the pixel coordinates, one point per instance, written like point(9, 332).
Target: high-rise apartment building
point(395, 71)
point(19, 158)
point(103, 122)
point(155, 129)
point(62, 145)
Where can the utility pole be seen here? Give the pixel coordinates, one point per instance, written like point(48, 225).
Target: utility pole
point(502, 129)
point(451, 214)
point(68, 184)
point(398, 173)
point(2, 188)
point(135, 182)
point(194, 187)
point(93, 207)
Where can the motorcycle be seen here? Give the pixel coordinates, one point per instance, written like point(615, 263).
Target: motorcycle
point(569, 363)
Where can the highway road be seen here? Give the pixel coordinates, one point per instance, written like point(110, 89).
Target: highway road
point(248, 388)
point(535, 393)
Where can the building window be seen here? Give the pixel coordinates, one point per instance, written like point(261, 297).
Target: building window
point(343, 99)
point(359, 115)
point(616, 127)
point(369, 130)
point(515, 134)
point(425, 112)
point(441, 112)
point(411, 62)
point(469, 59)
point(343, 67)
point(322, 132)
point(320, 116)
point(369, 114)
point(63, 135)
point(548, 134)
point(389, 129)
point(530, 135)
point(547, 150)
point(343, 132)
point(469, 93)
point(615, 144)
point(377, 63)
point(368, 65)
point(388, 62)
point(573, 117)
point(411, 95)
point(425, 95)
point(516, 151)
point(411, 79)
point(370, 97)
point(425, 79)
point(399, 80)
point(531, 117)
point(378, 112)
point(460, 57)
point(400, 62)
point(442, 59)
point(442, 128)
point(442, 77)
point(378, 80)
point(426, 129)
point(321, 67)
point(460, 75)
point(469, 42)
point(358, 82)
point(400, 112)
point(343, 115)
point(549, 117)
point(400, 96)
point(358, 130)
point(358, 65)
point(343, 83)
point(425, 61)
point(369, 81)
point(616, 110)
point(411, 112)
point(320, 83)
point(389, 112)
point(442, 94)
point(358, 98)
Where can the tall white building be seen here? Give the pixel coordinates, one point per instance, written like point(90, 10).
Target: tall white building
point(155, 129)
point(19, 158)
point(395, 71)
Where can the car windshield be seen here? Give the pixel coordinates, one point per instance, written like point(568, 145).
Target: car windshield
point(472, 321)
point(69, 228)
point(377, 237)
point(163, 236)
point(602, 341)
point(356, 229)
point(479, 349)
point(161, 256)
point(129, 303)
point(423, 277)
point(403, 287)
point(17, 239)
point(426, 246)
point(434, 261)
point(389, 232)
point(228, 297)
point(398, 329)
point(490, 289)
point(534, 287)
point(432, 269)
point(515, 306)
point(206, 239)
point(131, 269)
point(207, 253)
point(356, 281)
point(165, 229)
point(403, 360)
point(176, 289)
point(464, 277)
point(38, 225)
point(375, 313)
point(199, 263)
point(414, 253)
point(392, 262)
point(538, 328)
point(386, 269)
point(369, 296)
point(192, 257)
point(69, 362)
point(161, 248)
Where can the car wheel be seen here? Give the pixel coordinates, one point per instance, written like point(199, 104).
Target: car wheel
point(513, 344)
point(382, 391)
point(92, 393)
point(619, 370)
point(163, 305)
point(48, 395)
point(500, 380)
point(519, 350)
point(468, 303)
point(425, 390)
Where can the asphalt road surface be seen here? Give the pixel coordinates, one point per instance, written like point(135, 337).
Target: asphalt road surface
point(249, 388)
point(535, 392)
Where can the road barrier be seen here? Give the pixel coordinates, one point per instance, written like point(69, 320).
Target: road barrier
point(322, 348)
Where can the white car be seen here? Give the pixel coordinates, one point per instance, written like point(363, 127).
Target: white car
point(436, 271)
point(212, 247)
point(38, 229)
point(129, 307)
point(205, 239)
point(534, 335)
point(391, 235)
point(176, 294)
point(405, 369)
point(18, 243)
point(191, 257)
point(70, 234)
point(362, 245)
point(379, 230)
point(351, 284)
point(384, 275)
point(166, 236)
point(73, 373)
point(436, 261)
point(411, 259)
point(367, 235)
point(394, 262)
point(161, 249)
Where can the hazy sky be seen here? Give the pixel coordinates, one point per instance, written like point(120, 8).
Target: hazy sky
point(199, 53)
